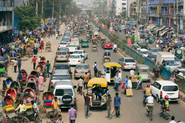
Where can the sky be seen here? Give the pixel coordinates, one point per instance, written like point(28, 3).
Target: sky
point(85, 2)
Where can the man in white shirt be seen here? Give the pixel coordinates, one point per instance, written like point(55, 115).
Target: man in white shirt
point(95, 66)
point(150, 102)
point(132, 72)
point(172, 119)
point(129, 83)
point(114, 46)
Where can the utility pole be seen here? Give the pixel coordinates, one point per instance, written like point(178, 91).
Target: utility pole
point(42, 8)
point(60, 10)
point(36, 7)
point(177, 17)
point(53, 10)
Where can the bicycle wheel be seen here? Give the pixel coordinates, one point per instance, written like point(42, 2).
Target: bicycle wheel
point(25, 120)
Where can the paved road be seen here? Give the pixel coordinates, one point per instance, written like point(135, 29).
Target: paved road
point(132, 110)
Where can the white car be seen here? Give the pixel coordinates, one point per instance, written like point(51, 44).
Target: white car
point(75, 59)
point(161, 88)
point(81, 52)
point(144, 52)
point(62, 44)
point(72, 48)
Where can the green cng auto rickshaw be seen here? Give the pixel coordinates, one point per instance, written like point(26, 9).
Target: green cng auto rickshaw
point(178, 53)
point(2, 69)
point(84, 43)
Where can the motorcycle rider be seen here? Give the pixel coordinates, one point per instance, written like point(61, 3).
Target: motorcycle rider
point(114, 47)
point(147, 91)
point(165, 104)
point(149, 102)
point(95, 66)
point(35, 110)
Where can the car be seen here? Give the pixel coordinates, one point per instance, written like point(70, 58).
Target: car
point(64, 49)
point(152, 57)
point(160, 88)
point(61, 56)
point(64, 91)
point(153, 51)
point(76, 35)
point(62, 44)
point(59, 76)
point(81, 30)
point(127, 63)
point(136, 47)
point(81, 69)
point(178, 62)
point(61, 71)
point(63, 67)
point(107, 44)
point(67, 31)
point(75, 59)
point(143, 44)
point(81, 52)
point(66, 39)
point(144, 52)
point(72, 48)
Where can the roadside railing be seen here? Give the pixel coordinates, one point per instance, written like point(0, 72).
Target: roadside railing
point(180, 81)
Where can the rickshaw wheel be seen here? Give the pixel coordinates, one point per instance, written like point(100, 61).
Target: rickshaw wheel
point(25, 120)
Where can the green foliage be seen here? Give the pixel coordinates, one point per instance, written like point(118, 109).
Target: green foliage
point(102, 20)
point(108, 24)
point(28, 19)
point(113, 39)
point(89, 13)
point(132, 39)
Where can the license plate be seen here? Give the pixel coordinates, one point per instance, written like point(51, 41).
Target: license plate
point(94, 48)
point(82, 72)
point(61, 56)
point(106, 60)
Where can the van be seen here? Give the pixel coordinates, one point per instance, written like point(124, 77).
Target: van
point(64, 91)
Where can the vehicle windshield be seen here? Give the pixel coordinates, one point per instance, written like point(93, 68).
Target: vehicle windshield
point(144, 71)
point(142, 42)
point(74, 56)
point(144, 52)
point(170, 62)
point(71, 45)
point(65, 39)
point(61, 92)
point(170, 88)
point(63, 43)
point(75, 36)
point(129, 60)
point(64, 49)
point(63, 66)
point(107, 42)
point(176, 59)
point(61, 53)
point(155, 50)
point(60, 77)
point(77, 52)
point(82, 67)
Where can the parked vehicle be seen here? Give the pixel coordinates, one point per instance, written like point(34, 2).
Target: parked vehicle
point(127, 63)
point(160, 88)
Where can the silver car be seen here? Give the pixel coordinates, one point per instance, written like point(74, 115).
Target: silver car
point(81, 69)
point(127, 63)
point(61, 56)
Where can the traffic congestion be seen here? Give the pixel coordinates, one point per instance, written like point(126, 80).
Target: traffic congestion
point(81, 76)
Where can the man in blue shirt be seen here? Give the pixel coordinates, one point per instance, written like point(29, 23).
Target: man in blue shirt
point(19, 76)
point(117, 103)
point(19, 63)
point(126, 80)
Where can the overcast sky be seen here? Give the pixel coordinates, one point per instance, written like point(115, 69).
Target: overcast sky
point(85, 2)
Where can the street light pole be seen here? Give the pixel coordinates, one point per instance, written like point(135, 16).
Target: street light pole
point(53, 10)
point(177, 17)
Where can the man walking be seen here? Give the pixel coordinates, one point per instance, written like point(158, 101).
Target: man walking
point(139, 80)
point(19, 63)
point(86, 80)
point(95, 66)
point(109, 101)
point(117, 103)
point(34, 59)
point(116, 81)
point(80, 85)
point(15, 65)
point(72, 114)
point(48, 67)
point(87, 104)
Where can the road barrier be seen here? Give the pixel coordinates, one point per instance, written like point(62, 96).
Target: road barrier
point(180, 81)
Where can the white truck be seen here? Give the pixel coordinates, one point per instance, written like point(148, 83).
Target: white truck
point(169, 59)
point(75, 41)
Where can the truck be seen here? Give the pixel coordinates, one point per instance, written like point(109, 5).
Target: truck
point(169, 59)
point(75, 41)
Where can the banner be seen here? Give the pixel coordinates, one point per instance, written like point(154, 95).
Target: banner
point(96, 22)
point(169, 10)
point(169, 24)
point(129, 41)
point(102, 25)
point(136, 37)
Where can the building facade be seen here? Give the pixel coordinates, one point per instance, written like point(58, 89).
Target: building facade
point(166, 12)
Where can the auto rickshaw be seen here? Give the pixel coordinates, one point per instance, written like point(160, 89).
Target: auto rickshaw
point(94, 47)
point(97, 91)
point(84, 43)
point(106, 57)
point(2, 69)
point(178, 53)
point(110, 69)
point(103, 39)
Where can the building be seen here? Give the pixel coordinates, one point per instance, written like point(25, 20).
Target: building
point(166, 12)
point(133, 11)
point(141, 11)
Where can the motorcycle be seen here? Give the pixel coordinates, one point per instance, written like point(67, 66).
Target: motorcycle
point(165, 114)
point(115, 50)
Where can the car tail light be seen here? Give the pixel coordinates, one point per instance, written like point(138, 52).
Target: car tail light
point(51, 83)
point(78, 60)
point(56, 56)
point(125, 64)
point(88, 71)
point(68, 60)
point(134, 64)
point(161, 94)
point(145, 36)
point(178, 94)
point(66, 56)
point(75, 48)
point(76, 71)
point(74, 100)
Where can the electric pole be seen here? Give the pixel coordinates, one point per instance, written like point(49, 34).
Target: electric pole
point(42, 8)
point(177, 17)
point(53, 10)
point(36, 7)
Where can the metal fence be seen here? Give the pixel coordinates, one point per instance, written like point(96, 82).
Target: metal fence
point(180, 81)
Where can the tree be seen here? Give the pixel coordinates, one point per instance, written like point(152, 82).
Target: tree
point(108, 24)
point(28, 19)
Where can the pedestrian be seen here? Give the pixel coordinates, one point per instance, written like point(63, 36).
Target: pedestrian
point(129, 83)
point(24, 50)
point(95, 66)
point(117, 80)
point(60, 120)
point(168, 66)
point(80, 85)
point(19, 63)
point(86, 104)
point(72, 114)
point(41, 82)
point(139, 80)
point(15, 65)
point(20, 76)
point(117, 103)
point(109, 101)
point(48, 67)
point(41, 45)
point(172, 119)
point(86, 80)
point(35, 51)
point(51, 120)
point(172, 78)
point(34, 59)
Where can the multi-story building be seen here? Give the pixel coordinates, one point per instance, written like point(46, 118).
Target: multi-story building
point(133, 11)
point(141, 11)
point(166, 12)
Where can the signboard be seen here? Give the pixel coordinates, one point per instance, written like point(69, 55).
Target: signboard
point(158, 10)
point(169, 10)
point(102, 25)
point(169, 24)
point(136, 37)
point(129, 41)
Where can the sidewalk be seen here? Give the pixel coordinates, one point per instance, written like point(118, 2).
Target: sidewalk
point(26, 62)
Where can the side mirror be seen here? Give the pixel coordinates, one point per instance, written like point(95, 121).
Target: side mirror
point(74, 86)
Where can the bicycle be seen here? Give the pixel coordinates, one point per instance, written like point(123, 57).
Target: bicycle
point(22, 118)
point(150, 112)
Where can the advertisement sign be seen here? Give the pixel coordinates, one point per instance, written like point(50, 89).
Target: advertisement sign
point(150, 20)
point(136, 38)
point(169, 10)
point(129, 41)
point(169, 24)
point(102, 25)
